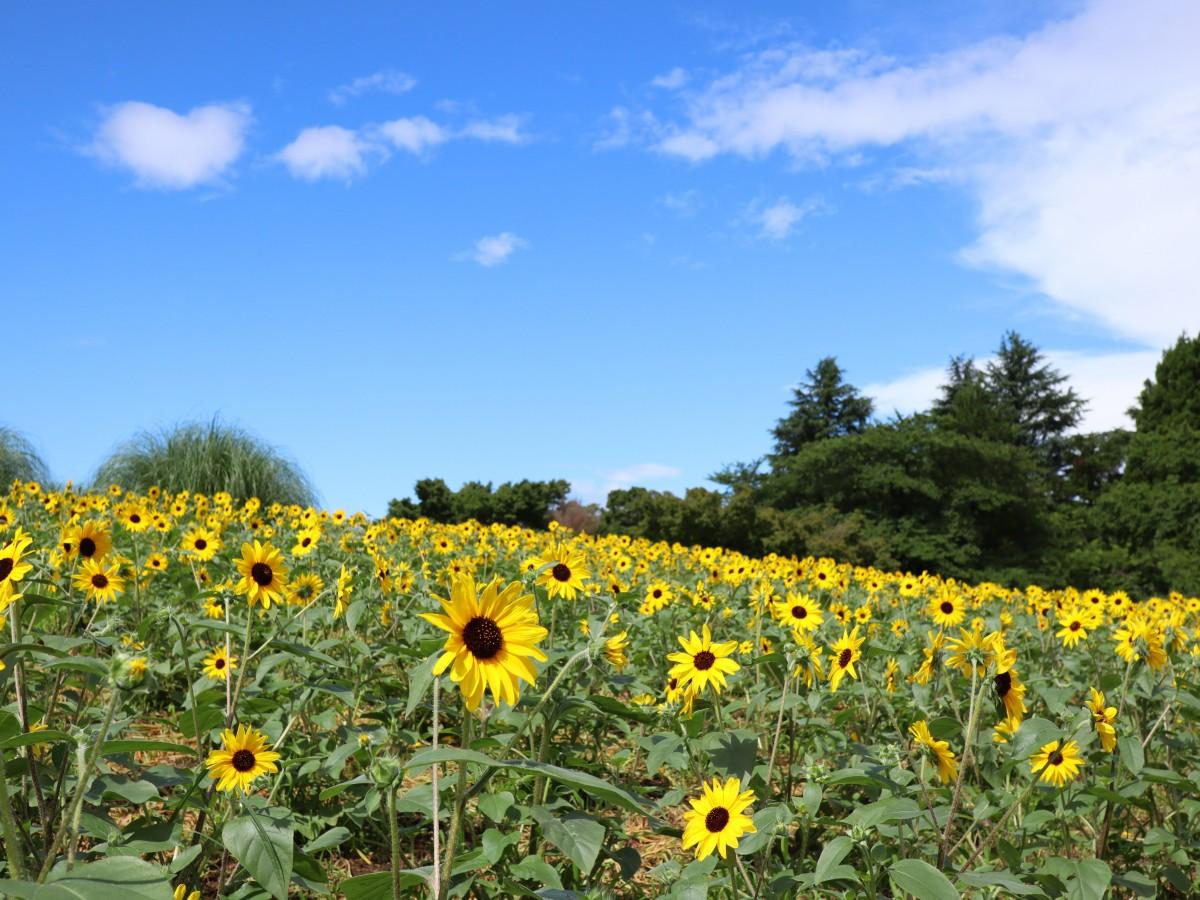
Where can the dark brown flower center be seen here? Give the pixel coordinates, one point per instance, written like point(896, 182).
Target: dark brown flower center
point(87, 547)
point(561, 572)
point(704, 660)
point(135, 518)
point(261, 573)
point(1003, 683)
point(947, 607)
point(219, 663)
point(243, 760)
point(657, 593)
point(201, 543)
point(6, 567)
point(799, 612)
point(844, 658)
point(1056, 758)
point(482, 637)
point(100, 581)
point(717, 819)
point(1076, 625)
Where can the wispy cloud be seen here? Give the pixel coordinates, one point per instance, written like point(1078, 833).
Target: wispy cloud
point(164, 149)
point(685, 203)
point(416, 134)
point(672, 80)
point(326, 152)
point(494, 249)
point(387, 81)
point(776, 221)
point(1080, 142)
point(504, 130)
point(595, 489)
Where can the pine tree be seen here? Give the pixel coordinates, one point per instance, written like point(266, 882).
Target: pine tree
point(823, 407)
point(1031, 394)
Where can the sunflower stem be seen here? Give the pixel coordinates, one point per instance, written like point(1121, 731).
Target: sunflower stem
point(437, 855)
point(241, 679)
point(460, 802)
point(394, 838)
point(12, 844)
point(956, 799)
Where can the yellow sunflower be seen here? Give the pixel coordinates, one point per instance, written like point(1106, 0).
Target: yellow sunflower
point(564, 571)
point(614, 650)
point(845, 652)
point(242, 758)
point(100, 584)
point(717, 819)
point(1103, 718)
point(264, 574)
point(940, 752)
point(218, 664)
point(799, 611)
point(492, 637)
point(201, 544)
point(303, 589)
point(947, 609)
point(12, 569)
point(1058, 762)
point(702, 663)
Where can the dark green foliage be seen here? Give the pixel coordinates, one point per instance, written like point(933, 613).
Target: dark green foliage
point(527, 503)
point(823, 407)
point(206, 458)
point(19, 459)
point(1030, 394)
point(1172, 399)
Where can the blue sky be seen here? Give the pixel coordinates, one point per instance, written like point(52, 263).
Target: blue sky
point(592, 243)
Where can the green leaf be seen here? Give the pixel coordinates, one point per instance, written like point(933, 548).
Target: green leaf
point(1033, 734)
point(112, 748)
point(1137, 883)
point(735, 754)
point(263, 844)
point(378, 885)
point(831, 855)
point(29, 738)
point(922, 880)
point(664, 748)
point(419, 682)
point(576, 834)
point(589, 784)
point(1005, 880)
point(495, 842)
point(118, 878)
point(1132, 755)
point(890, 809)
point(84, 664)
point(496, 806)
point(532, 868)
point(331, 838)
point(1085, 879)
point(617, 708)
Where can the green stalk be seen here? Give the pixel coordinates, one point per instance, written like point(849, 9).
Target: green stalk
point(972, 721)
point(460, 802)
point(12, 844)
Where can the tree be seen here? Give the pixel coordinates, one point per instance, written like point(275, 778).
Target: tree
point(530, 504)
point(823, 407)
point(1031, 394)
point(1173, 397)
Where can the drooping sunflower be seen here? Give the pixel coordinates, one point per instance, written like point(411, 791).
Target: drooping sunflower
point(242, 758)
point(1058, 762)
point(218, 664)
point(939, 751)
point(614, 650)
point(703, 663)
point(12, 569)
point(1010, 692)
point(1102, 720)
point(341, 597)
point(201, 544)
point(264, 574)
point(845, 652)
point(492, 637)
point(564, 570)
point(100, 584)
point(717, 819)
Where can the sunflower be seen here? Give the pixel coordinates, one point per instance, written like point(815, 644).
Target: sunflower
point(563, 571)
point(614, 650)
point(264, 575)
point(703, 662)
point(846, 651)
point(201, 544)
point(799, 611)
point(100, 584)
point(12, 569)
point(1057, 762)
point(658, 596)
point(213, 608)
point(1102, 718)
point(940, 752)
point(181, 893)
point(303, 589)
point(341, 597)
point(306, 541)
point(492, 636)
point(717, 819)
point(946, 609)
point(156, 562)
point(134, 517)
point(218, 664)
point(1075, 625)
point(242, 758)
point(1010, 693)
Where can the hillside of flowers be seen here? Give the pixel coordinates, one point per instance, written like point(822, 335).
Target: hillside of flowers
point(202, 697)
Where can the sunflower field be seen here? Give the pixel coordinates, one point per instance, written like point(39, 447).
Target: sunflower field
point(210, 698)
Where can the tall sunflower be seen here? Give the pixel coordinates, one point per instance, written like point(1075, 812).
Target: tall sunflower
point(218, 664)
point(100, 584)
point(939, 751)
point(717, 819)
point(242, 758)
point(1058, 762)
point(845, 653)
point(492, 637)
point(702, 663)
point(264, 574)
point(12, 569)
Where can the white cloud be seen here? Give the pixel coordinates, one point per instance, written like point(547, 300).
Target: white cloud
point(775, 222)
point(1080, 141)
point(685, 202)
point(504, 130)
point(495, 249)
point(387, 81)
point(596, 488)
point(415, 134)
point(164, 149)
point(672, 80)
point(1109, 382)
point(328, 151)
